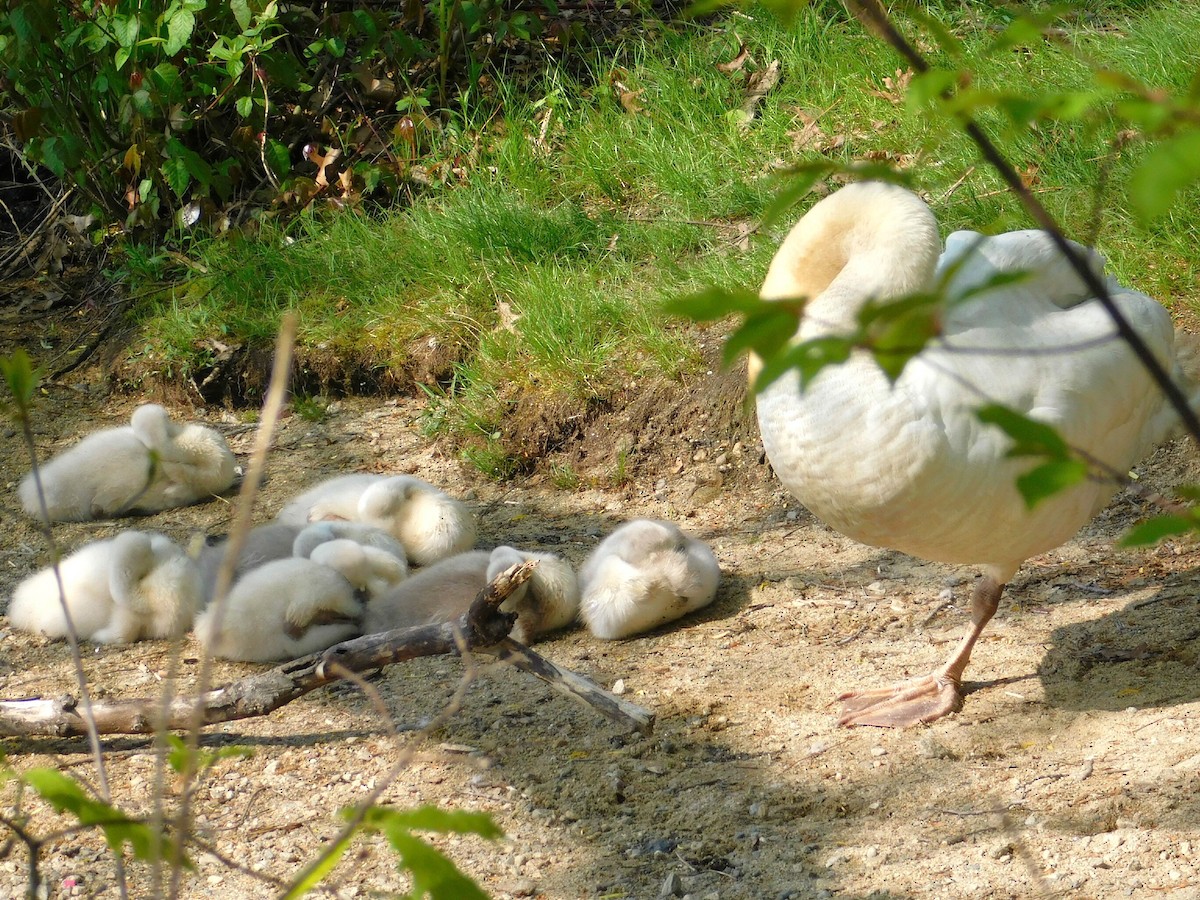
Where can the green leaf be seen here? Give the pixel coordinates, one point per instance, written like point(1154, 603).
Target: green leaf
point(798, 182)
point(245, 106)
point(765, 332)
point(175, 171)
point(66, 795)
point(1170, 167)
point(278, 158)
point(714, 303)
point(433, 818)
point(1030, 438)
point(897, 330)
point(241, 12)
point(20, 378)
point(1154, 530)
point(166, 79)
point(179, 30)
point(433, 874)
point(926, 87)
point(807, 358)
point(126, 30)
point(316, 873)
point(1049, 478)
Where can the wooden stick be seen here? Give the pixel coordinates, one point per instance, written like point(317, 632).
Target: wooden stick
point(482, 628)
point(572, 684)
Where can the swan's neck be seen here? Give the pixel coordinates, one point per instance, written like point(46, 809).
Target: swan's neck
point(868, 241)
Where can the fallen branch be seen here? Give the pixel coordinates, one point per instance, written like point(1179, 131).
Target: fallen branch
point(484, 628)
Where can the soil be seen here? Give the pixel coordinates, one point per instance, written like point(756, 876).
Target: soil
point(1072, 769)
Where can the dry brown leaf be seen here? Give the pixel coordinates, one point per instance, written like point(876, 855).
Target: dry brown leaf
point(810, 136)
point(737, 62)
point(382, 90)
point(629, 101)
point(758, 85)
point(895, 87)
point(313, 155)
point(508, 318)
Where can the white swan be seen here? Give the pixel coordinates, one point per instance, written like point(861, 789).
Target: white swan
point(136, 585)
point(445, 590)
point(149, 465)
point(283, 609)
point(909, 466)
point(427, 521)
point(643, 575)
point(276, 540)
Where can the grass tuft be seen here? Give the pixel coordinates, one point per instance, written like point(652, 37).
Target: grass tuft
point(541, 274)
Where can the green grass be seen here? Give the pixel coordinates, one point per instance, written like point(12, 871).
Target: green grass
point(579, 225)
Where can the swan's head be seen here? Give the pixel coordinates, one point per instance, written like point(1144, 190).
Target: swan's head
point(133, 554)
point(384, 500)
point(359, 532)
point(869, 240)
point(547, 601)
point(152, 425)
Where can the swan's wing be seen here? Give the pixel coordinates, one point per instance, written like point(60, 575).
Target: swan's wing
point(971, 259)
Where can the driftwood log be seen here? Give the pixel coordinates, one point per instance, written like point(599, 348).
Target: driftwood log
point(483, 629)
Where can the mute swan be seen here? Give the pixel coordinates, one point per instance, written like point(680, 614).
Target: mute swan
point(909, 466)
point(284, 609)
point(136, 585)
point(645, 574)
point(278, 541)
point(149, 465)
point(428, 522)
point(445, 590)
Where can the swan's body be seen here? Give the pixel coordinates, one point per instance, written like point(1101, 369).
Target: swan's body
point(445, 590)
point(149, 465)
point(909, 466)
point(427, 521)
point(283, 609)
point(134, 586)
point(276, 540)
point(643, 575)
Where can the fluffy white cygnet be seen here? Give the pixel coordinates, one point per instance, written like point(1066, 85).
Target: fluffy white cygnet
point(283, 609)
point(263, 544)
point(445, 590)
point(136, 585)
point(371, 572)
point(150, 465)
point(645, 574)
point(276, 540)
point(427, 521)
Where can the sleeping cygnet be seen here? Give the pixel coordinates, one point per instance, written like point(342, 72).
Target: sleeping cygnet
point(285, 608)
point(149, 465)
point(123, 589)
point(427, 521)
point(371, 572)
point(445, 591)
point(278, 541)
point(645, 574)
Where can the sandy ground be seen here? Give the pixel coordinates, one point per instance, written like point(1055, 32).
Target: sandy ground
point(1073, 768)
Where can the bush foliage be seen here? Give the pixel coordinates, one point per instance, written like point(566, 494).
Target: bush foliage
point(167, 112)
